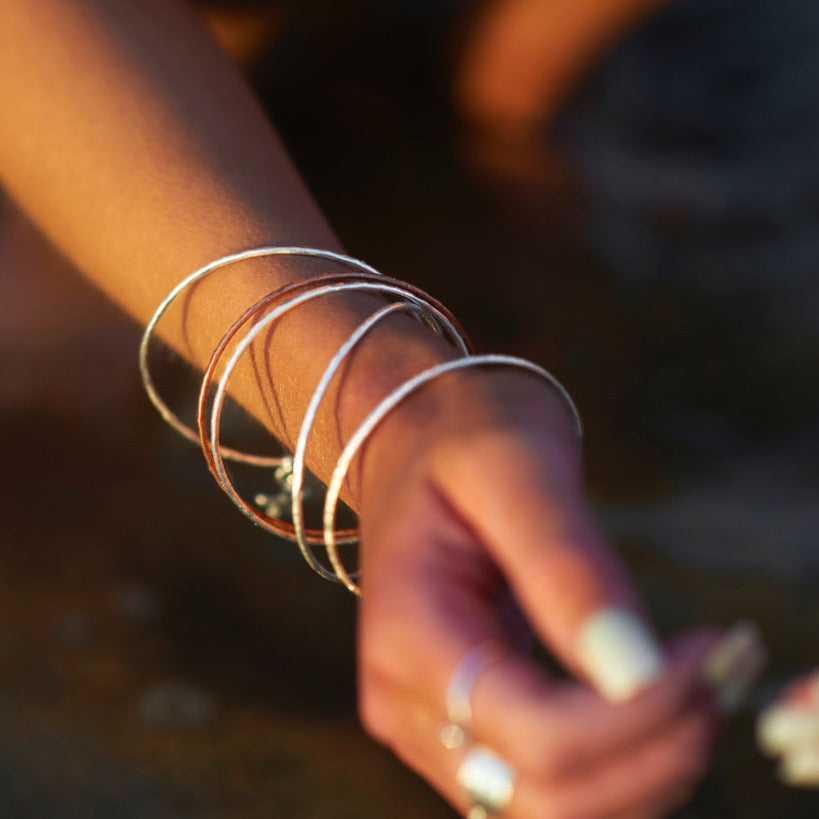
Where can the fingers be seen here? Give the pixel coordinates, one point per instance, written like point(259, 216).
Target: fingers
point(429, 599)
point(566, 727)
point(438, 560)
point(570, 583)
point(647, 779)
point(790, 729)
point(644, 780)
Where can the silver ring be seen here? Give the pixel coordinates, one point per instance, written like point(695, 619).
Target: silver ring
point(488, 780)
point(459, 692)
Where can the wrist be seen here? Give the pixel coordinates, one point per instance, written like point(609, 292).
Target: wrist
point(474, 409)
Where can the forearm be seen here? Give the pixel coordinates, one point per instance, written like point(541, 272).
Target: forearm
point(138, 149)
point(136, 146)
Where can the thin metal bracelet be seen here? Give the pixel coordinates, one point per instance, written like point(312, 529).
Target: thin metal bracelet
point(442, 323)
point(367, 278)
point(147, 380)
point(268, 301)
point(219, 470)
point(390, 403)
point(275, 525)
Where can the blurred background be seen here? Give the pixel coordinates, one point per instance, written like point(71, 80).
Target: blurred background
point(626, 192)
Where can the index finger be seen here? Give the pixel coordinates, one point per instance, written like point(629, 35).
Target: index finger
point(560, 727)
point(572, 586)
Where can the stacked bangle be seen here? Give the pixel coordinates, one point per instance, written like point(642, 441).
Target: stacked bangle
point(263, 314)
point(386, 406)
point(216, 457)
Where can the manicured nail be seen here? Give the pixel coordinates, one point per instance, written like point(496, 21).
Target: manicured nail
point(619, 653)
point(800, 767)
point(721, 660)
point(734, 693)
point(785, 727)
point(733, 665)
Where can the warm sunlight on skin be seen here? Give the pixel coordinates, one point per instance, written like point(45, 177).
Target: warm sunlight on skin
point(523, 57)
point(137, 148)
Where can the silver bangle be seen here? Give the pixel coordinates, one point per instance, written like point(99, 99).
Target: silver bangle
point(220, 473)
point(425, 307)
point(156, 399)
point(459, 692)
point(441, 323)
point(390, 403)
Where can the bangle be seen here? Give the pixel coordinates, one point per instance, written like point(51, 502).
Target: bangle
point(323, 384)
point(390, 403)
point(203, 436)
point(262, 315)
point(147, 380)
point(215, 457)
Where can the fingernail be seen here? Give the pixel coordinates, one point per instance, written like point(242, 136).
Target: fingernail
point(800, 767)
point(733, 665)
point(619, 653)
point(783, 727)
point(721, 660)
point(734, 692)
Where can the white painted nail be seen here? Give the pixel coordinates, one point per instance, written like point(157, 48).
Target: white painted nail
point(783, 728)
point(733, 665)
point(720, 662)
point(619, 653)
point(734, 692)
point(800, 767)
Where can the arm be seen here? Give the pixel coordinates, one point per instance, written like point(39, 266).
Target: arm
point(140, 152)
point(522, 58)
point(132, 143)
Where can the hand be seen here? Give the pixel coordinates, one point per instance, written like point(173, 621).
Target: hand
point(790, 729)
point(470, 499)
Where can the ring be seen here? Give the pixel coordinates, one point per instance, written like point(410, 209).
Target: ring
point(488, 780)
point(459, 692)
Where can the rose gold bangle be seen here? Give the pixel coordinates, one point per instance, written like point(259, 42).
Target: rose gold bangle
point(219, 471)
point(262, 315)
point(268, 302)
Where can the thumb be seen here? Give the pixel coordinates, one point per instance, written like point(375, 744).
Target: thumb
point(572, 586)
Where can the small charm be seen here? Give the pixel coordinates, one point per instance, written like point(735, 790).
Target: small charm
point(278, 503)
point(283, 474)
